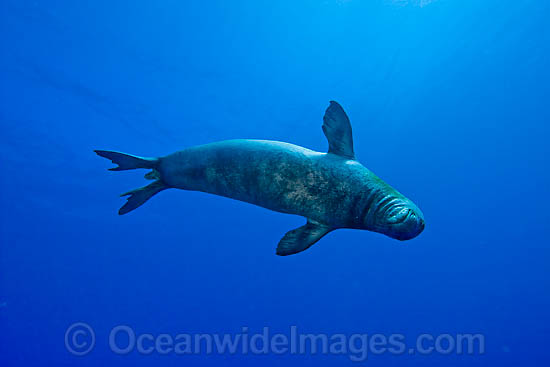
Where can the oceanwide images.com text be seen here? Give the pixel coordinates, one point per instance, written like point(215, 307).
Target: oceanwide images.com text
point(80, 340)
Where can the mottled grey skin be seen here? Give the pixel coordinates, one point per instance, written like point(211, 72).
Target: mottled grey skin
point(335, 191)
point(332, 190)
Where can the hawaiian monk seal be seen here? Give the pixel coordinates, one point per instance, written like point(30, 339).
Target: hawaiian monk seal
point(332, 190)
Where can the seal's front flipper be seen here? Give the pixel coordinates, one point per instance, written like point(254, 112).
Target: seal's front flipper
point(301, 238)
point(337, 129)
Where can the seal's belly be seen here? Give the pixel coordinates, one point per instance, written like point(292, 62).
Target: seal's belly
point(278, 176)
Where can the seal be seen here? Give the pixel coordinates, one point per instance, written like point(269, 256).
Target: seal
point(332, 190)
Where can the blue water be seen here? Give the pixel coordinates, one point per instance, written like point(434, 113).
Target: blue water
point(448, 102)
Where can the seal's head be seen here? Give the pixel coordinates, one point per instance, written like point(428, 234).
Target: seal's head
point(399, 218)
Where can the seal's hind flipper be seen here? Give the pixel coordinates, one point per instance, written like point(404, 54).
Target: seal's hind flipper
point(127, 161)
point(141, 195)
point(301, 238)
point(337, 129)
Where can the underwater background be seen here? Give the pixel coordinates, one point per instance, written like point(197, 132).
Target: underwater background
point(449, 103)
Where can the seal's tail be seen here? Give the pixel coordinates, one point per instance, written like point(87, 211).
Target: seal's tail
point(126, 162)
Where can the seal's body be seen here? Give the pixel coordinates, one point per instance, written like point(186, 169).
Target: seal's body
point(332, 190)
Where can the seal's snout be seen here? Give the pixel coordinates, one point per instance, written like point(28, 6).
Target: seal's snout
point(405, 222)
point(412, 226)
